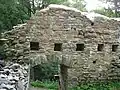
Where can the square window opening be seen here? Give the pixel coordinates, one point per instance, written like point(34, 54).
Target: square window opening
point(92, 23)
point(34, 45)
point(80, 33)
point(58, 47)
point(114, 48)
point(100, 47)
point(80, 47)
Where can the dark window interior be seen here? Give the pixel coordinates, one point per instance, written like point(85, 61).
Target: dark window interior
point(80, 47)
point(34, 45)
point(80, 33)
point(119, 57)
point(58, 47)
point(114, 48)
point(100, 47)
point(94, 62)
point(92, 23)
point(74, 28)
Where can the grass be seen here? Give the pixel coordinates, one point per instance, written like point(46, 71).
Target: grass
point(52, 85)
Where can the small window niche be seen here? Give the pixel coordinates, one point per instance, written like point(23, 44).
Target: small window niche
point(58, 47)
point(114, 48)
point(80, 47)
point(92, 23)
point(100, 47)
point(94, 62)
point(80, 32)
point(34, 45)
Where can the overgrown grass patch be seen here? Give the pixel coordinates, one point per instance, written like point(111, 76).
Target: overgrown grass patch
point(52, 85)
point(98, 86)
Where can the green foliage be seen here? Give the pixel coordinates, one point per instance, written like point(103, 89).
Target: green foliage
point(114, 6)
point(51, 85)
point(90, 86)
point(11, 14)
point(54, 1)
point(98, 86)
point(78, 4)
point(37, 84)
point(15, 12)
point(107, 12)
point(45, 71)
point(44, 3)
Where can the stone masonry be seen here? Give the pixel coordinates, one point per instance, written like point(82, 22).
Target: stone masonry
point(14, 77)
point(87, 44)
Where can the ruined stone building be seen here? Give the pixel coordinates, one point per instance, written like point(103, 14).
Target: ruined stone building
point(86, 46)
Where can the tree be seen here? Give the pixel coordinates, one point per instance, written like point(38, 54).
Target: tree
point(40, 4)
point(79, 4)
point(107, 12)
point(14, 12)
point(114, 5)
point(11, 14)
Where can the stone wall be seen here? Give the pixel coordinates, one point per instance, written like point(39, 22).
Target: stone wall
point(16, 45)
point(68, 27)
point(14, 76)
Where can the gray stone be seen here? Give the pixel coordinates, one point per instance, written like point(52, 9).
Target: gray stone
point(17, 79)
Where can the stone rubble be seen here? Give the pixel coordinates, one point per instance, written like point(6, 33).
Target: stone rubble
point(14, 76)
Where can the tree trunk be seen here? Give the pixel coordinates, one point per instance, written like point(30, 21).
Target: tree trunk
point(33, 6)
point(116, 7)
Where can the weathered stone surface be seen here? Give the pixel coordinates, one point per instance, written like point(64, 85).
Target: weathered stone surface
point(60, 24)
point(14, 77)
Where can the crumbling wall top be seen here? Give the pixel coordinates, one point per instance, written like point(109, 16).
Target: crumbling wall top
point(92, 16)
point(55, 6)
